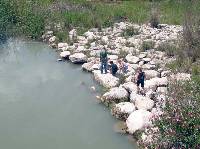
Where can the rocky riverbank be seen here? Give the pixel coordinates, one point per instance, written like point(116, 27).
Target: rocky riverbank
point(139, 45)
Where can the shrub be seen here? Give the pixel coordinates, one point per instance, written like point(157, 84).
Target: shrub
point(178, 127)
point(154, 18)
point(122, 54)
point(190, 43)
point(62, 36)
point(180, 65)
point(169, 48)
point(147, 45)
point(130, 31)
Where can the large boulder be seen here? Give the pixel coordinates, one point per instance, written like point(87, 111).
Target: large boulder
point(132, 59)
point(138, 120)
point(151, 74)
point(88, 66)
point(130, 87)
point(89, 35)
point(80, 49)
point(73, 35)
point(148, 66)
point(144, 103)
point(65, 54)
point(116, 95)
point(112, 57)
point(122, 110)
point(63, 46)
point(107, 80)
point(156, 82)
point(134, 96)
point(52, 39)
point(78, 58)
point(141, 102)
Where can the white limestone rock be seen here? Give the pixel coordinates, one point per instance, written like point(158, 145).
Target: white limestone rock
point(122, 110)
point(155, 82)
point(63, 46)
point(78, 58)
point(80, 49)
point(88, 66)
point(107, 80)
point(116, 95)
point(134, 96)
point(130, 87)
point(162, 90)
point(165, 73)
point(144, 103)
point(72, 34)
point(146, 60)
point(112, 57)
point(65, 54)
point(151, 74)
point(148, 66)
point(142, 55)
point(52, 39)
point(138, 120)
point(132, 59)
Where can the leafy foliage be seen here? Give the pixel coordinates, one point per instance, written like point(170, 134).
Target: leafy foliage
point(179, 125)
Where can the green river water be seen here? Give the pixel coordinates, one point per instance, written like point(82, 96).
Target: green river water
point(46, 104)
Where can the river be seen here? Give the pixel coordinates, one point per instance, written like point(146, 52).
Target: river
point(46, 104)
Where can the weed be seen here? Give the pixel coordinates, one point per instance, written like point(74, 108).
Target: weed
point(147, 45)
point(169, 48)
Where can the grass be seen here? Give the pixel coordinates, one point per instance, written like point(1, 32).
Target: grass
point(85, 14)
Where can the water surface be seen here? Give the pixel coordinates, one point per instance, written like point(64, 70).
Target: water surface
point(46, 104)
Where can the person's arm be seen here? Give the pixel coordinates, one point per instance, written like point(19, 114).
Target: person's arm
point(136, 77)
point(100, 56)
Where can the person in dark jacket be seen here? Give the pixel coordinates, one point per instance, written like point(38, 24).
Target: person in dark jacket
point(140, 77)
point(104, 60)
point(113, 68)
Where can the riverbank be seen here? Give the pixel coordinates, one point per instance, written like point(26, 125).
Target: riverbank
point(141, 49)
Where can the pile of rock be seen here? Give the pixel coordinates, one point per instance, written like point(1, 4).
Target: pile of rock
point(135, 109)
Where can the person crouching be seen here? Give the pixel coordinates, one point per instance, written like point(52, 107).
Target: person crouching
point(113, 68)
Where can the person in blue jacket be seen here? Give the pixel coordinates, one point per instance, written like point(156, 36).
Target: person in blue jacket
point(140, 77)
point(113, 68)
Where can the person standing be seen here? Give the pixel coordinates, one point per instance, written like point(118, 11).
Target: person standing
point(104, 60)
point(140, 77)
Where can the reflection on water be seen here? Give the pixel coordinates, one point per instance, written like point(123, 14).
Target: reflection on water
point(44, 105)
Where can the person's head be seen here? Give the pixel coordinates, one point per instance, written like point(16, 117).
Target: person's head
point(111, 62)
point(119, 61)
point(104, 48)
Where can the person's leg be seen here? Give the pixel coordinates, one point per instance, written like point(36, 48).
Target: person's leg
point(142, 85)
point(106, 66)
point(101, 67)
point(138, 87)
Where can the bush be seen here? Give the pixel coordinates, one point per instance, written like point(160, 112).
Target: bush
point(62, 36)
point(178, 126)
point(154, 18)
point(147, 45)
point(169, 48)
point(130, 31)
point(190, 43)
point(122, 54)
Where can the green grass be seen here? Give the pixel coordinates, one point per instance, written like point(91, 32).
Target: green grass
point(92, 14)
